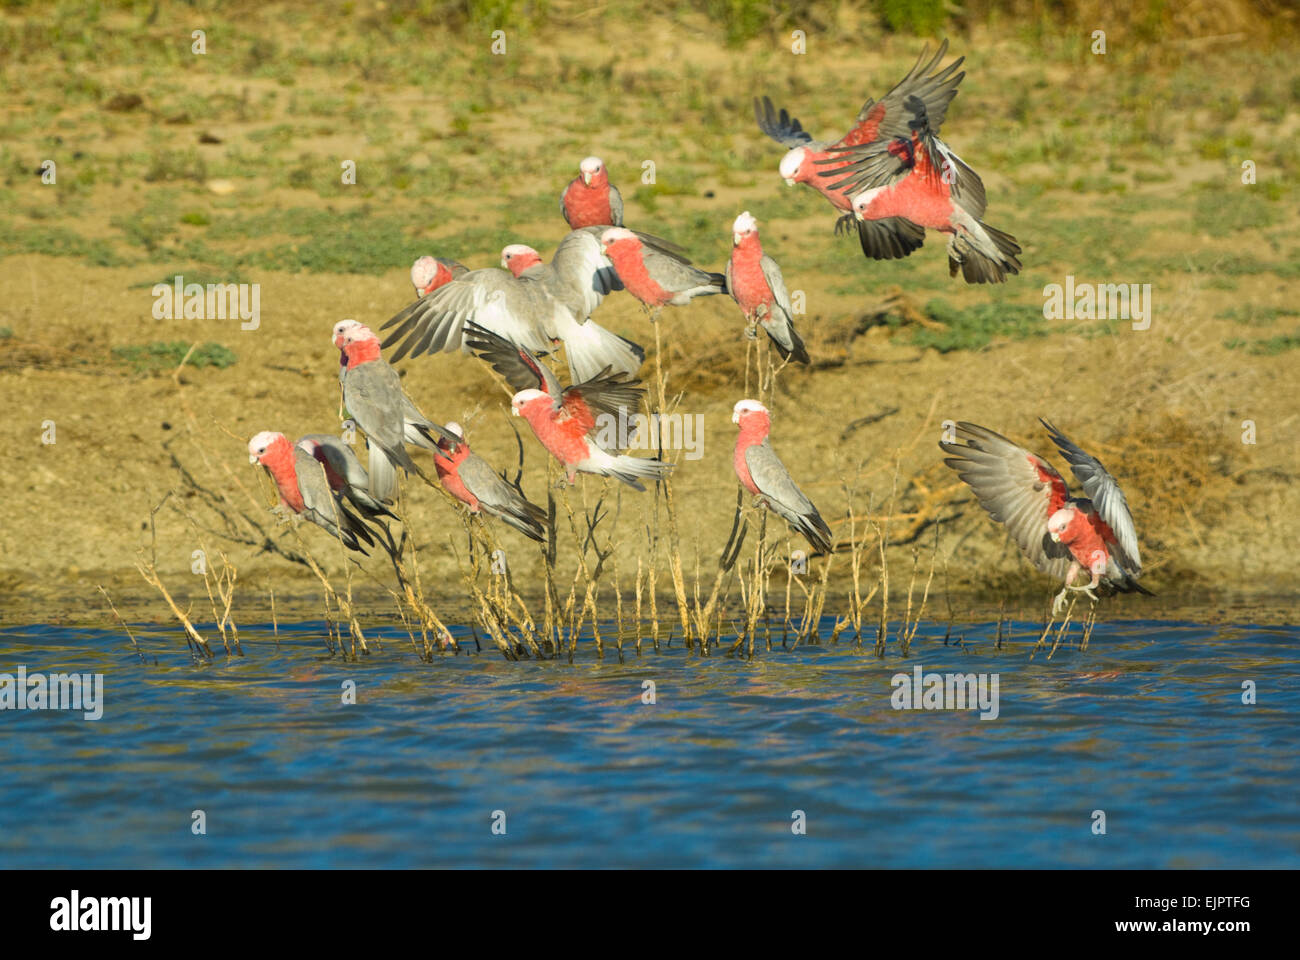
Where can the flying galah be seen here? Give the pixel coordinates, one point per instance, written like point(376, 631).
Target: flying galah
point(914, 174)
point(547, 302)
point(655, 276)
point(763, 474)
point(589, 346)
point(303, 489)
point(373, 395)
point(468, 478)
point(1061, 535)
point(590, 200)
point(815, 162)
point(754, 281)
point(565, 421)
point(430, 273)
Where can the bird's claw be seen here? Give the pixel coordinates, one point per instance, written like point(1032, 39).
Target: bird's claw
point(751, 331)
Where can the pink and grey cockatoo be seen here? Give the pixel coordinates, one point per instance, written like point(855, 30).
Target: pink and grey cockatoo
point(430, 273)
point(344, 473)
point(656, 276)
point(546, 303)
point(590, 200)
point(565, 421)
point(762, 473)
point(909, 172)
point(373, 395)
point(815, 162)
point(301, 482)
point(754, 281)
point(586, 343)
point(1061, 535)
point(468, 478)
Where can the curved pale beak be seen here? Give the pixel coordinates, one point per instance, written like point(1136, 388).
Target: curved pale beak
point(735, 239)
point(735, 417)
point(586, 177)
point(252, 458)
point(514, 411)
point(1056, 537)
point(789, 182)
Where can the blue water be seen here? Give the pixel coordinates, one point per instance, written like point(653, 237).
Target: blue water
point(1147, 725)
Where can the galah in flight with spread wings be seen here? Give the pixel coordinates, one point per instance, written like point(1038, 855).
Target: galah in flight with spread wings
point(545, 303)
point(815, 162)
point(762, 473)
point(590, 200)
point(469, 478)
point(1059, 534)
point(909, 172)
point(754, 281)
point(565, 420)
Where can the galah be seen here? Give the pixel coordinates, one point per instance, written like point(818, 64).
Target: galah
point(589, 347)
point(468, 478)
point(430, 273)
point(1059, 534)
point(373, 395)
point(762, 473)
point(547, 302)
point(565, 421)
point(590, 200)
point(655, 276)
point(754, 281)
point(344, 473)
point(303, 488)
point(815, 162)
point(912, 173)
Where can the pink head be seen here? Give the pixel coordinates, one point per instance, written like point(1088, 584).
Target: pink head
point(268, 448)
point(340, 329)
point(752, 417)
point(744, 228)
point(526, 402)
point(593, 171)
point(457, 431)
point(618, 240)
point(796, 166)
point(360, 345)
point(862, 201)
point(517, 258)
point(1059, 523)
point(428, 274)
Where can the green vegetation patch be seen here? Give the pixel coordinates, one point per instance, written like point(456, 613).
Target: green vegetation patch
point(168, 354)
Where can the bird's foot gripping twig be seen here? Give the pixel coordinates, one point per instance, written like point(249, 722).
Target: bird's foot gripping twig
point(283, 514)
point(751, 330)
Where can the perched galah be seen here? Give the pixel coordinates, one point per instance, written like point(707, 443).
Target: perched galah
point(655, 276)
point(547, 302)
point(304, 490)
point(589, 346)
point(590, 200)
point(565, 421)
point(1061, 535)
point(815, 162)
point(754, 281)
point(468, 478)
point(762, 473)
point(430, 273)
point(373, 395)
point(344, 472)
point(916, 175)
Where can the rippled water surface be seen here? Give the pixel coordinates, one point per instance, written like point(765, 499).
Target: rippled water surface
point(1147, 725)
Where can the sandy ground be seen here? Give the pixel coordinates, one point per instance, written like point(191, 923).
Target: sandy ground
point(1163, 408)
